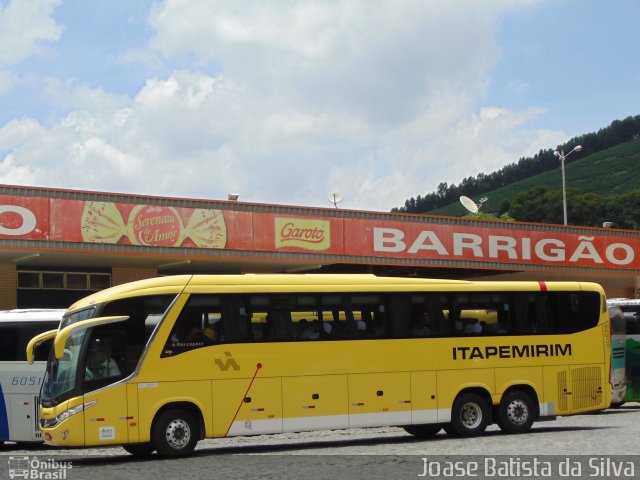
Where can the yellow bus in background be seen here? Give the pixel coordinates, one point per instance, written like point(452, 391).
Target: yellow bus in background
point(158, 364)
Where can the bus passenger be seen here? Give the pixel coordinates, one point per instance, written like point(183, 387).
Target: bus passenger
point(422, 328)
point(306, 330)
point(101, 365)
point(327, 330)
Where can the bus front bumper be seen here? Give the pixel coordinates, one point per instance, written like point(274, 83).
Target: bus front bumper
point(63, 425)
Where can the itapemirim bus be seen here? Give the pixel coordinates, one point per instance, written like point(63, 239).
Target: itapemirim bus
point(20, 383)
point(208, 356)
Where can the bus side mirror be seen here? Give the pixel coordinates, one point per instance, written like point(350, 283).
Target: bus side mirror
point(37, 340)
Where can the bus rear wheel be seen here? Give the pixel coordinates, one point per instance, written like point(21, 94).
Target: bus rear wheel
point(515, 413)
point(469, 416)
point(174, 433)
point(139, 449)
point(422, 431)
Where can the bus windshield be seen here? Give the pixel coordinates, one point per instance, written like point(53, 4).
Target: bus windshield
point(60, 376)
point(74, 317)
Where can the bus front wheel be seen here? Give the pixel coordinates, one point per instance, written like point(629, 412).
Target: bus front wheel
point(469, 416)
point(515, 413)
point(174, 433)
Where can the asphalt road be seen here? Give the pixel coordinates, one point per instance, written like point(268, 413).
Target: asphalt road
point(600, 445)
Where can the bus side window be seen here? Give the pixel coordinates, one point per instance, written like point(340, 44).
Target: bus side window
point(9, 343)
point(521, 314)
point(197, 325)
point(455, 321)
point(575, 311)
point(502, 325)
point(106, 355)
point(379, 323)
point(440, 322)
point(544, 317)
point(258, 328)
point(282, 324)
point(235, 323)
point(400, 315)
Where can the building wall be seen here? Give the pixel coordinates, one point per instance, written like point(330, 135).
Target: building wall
point(8, 286)
point(120, 275)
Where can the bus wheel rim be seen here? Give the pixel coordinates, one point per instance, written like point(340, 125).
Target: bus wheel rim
point(517, 412)
point(471, 415)
point(178, 433)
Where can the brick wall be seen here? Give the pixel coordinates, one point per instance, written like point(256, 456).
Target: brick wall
point(8, 286)
point(120, 275)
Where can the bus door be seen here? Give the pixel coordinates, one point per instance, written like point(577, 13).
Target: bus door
point(108, 421)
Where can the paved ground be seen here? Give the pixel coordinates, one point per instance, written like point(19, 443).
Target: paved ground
point(595, 441)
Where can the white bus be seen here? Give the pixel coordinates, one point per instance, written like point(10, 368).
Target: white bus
point(19, 382)
point(631, 311)
point(618, 355)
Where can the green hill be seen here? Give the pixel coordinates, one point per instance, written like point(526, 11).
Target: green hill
point(613, 171)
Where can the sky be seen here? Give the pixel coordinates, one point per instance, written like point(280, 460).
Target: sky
point(290, 101)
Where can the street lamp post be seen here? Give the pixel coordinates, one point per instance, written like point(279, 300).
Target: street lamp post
point(560, 154)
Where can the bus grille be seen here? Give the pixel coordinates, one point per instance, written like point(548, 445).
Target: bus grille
point(563, 404)
point(587, 387)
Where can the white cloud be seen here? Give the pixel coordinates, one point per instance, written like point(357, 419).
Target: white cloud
point(518, 87)
point(24, 26)
point(7, 79)
point(380, 103)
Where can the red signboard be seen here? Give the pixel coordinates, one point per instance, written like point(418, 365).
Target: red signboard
point(24, 217)
point(66, 220)
point(424, 241)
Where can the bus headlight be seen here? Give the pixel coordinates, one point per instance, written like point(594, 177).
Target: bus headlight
point(52, 422)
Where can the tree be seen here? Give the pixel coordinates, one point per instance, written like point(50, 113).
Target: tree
point(587, 209)
point(539, 204)
point(624, 210)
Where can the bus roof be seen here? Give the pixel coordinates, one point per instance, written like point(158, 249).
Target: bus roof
point(32, 315)
point(251, 282)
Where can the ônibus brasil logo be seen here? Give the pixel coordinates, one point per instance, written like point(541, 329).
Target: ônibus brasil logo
point(36, 468)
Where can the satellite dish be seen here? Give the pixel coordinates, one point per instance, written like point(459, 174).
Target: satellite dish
point(335, 198)
point(469, 204)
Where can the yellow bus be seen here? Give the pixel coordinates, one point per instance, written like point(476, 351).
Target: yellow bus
point(158, 364)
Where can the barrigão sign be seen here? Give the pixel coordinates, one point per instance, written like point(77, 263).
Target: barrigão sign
point(579, 250)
